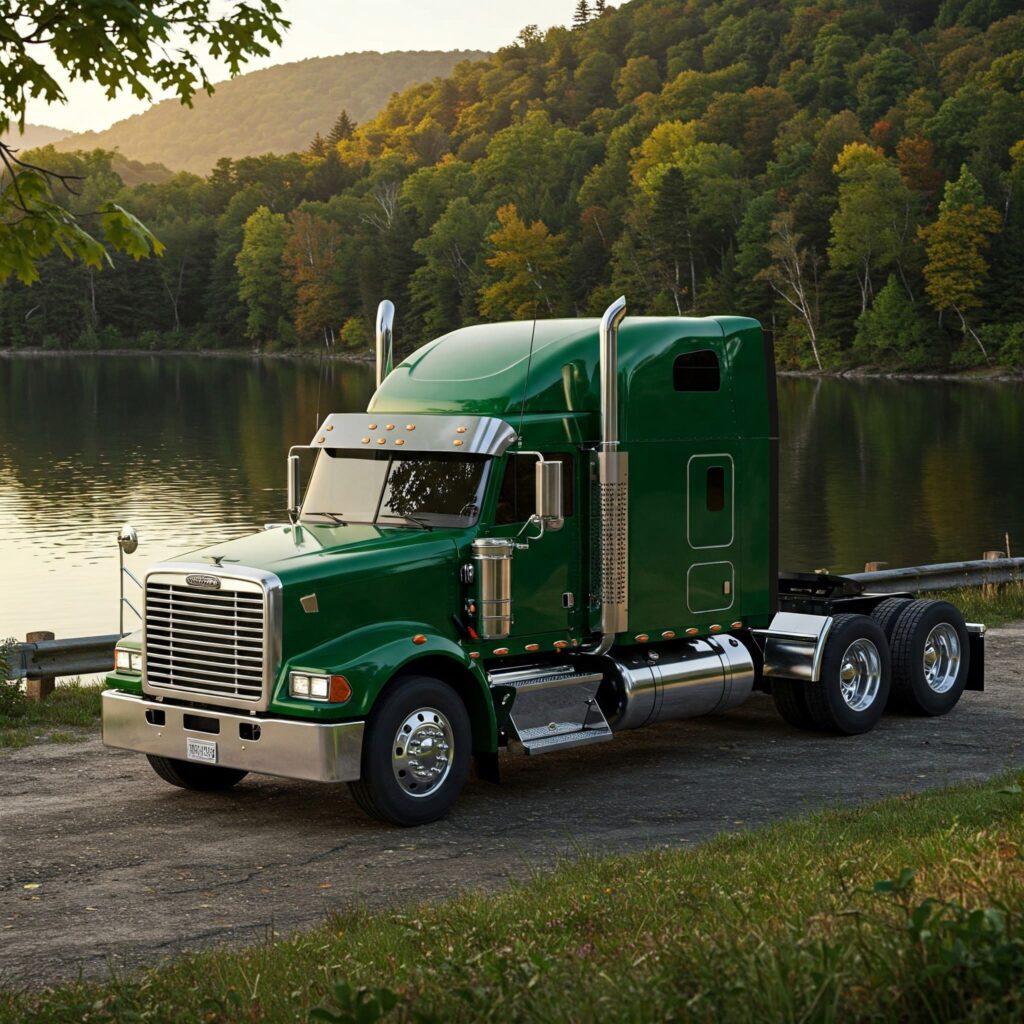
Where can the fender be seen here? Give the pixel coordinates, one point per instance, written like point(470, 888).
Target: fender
point(370, 657)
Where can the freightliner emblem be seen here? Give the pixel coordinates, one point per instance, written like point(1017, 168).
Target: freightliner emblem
point(203, 582)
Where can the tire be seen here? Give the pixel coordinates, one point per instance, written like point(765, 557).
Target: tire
point(397, 785)
point(856, 671)
point(203, 778)
point(930, 658)
point(886, 612)
point(791, 702)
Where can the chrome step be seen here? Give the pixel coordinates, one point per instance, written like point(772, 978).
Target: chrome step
point(544, 739)
point(553, 707)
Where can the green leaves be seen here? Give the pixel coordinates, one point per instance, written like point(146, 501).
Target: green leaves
point(348, 1005)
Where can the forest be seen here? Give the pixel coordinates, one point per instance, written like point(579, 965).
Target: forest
point(850, 172)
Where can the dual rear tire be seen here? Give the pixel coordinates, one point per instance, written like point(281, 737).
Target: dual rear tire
point(908, 655)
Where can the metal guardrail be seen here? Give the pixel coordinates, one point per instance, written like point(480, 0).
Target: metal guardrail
point(944, 576)
point(78, 656)
point(41, 661)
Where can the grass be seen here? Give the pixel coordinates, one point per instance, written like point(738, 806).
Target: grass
point(909, 909)
point(61, 718)
point(1003, 605)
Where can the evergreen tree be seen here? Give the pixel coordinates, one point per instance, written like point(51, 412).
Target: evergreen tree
point(344, 128)
point(582, 14)
point(599, 8)
point(318, 147)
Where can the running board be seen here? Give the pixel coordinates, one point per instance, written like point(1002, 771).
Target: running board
point(553, 708)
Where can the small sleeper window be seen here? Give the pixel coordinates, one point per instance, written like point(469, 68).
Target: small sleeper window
point(716, 489)
point(697, 371)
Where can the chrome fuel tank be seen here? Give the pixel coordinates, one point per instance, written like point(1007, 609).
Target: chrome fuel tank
point(687, 680)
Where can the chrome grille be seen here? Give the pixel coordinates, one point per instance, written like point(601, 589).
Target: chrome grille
point(206, 641)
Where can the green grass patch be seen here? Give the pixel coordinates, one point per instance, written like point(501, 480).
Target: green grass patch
point(908, 909)
point(1003, 605)
point(63, 717)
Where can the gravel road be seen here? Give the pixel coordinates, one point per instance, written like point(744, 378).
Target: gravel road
point(102, 864)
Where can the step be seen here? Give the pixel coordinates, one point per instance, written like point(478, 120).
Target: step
point(542, 679)
point(545, 740)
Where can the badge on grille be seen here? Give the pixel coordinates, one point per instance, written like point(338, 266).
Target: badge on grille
point(203, 582)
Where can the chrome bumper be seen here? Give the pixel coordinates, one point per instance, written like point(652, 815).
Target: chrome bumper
point(319, 751)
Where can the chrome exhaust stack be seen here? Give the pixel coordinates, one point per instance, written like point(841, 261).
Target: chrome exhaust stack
point(613, 489)
point(385, 339)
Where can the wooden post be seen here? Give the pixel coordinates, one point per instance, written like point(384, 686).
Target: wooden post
point(874, 566)
point(991, 589)
point(41, 687)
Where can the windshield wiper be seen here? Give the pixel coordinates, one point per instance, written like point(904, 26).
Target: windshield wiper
point(337, 520)
point(415, 520)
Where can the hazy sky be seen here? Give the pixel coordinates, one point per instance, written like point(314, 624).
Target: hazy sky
point(321, 28)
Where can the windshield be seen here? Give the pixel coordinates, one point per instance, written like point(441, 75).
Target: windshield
point(417, 489)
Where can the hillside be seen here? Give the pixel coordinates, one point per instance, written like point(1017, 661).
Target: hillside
point(850, 173)
point(276, 110)
point(34, 136)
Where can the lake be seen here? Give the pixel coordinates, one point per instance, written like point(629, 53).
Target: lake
point(191, 450)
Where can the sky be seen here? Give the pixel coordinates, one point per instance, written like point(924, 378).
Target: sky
point(323, 28)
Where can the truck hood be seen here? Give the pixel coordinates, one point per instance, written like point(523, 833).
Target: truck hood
point(309, 553)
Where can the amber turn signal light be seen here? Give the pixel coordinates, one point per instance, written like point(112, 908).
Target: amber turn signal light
point(340, 690)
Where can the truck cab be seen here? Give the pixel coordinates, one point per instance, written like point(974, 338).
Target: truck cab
point(535, 536)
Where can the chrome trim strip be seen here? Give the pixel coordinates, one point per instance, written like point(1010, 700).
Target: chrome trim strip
point(272, 588)
point(317, 751)
point(471, 435)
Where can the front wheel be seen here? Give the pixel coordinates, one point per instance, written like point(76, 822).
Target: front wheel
point(416, 752)
point(856, 668)
point(204, 778)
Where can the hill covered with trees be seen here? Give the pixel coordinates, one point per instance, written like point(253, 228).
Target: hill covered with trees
point(849, 171)
point(276, 110)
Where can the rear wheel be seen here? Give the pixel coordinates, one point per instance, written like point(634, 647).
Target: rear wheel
point(854, 686)
point(886, 612)
point(416, 752)
point(204, 778)
point(791, 702)
point(930, 658)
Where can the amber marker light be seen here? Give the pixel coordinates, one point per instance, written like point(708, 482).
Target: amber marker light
point(641, 638)
point(340, 690)
point(399, 441)
point(382, 440)
point(410, 426)
point(366, 440)
point(668, 635)
point(716, 628)
point(389, 426)
point(501, 650)
point(736, 625)
point(372, 426)
point(692, 631)
point(533, 647)
point(560, 645)
point(419, 638)
point(320, 440)
point(457, 443)
point(460, 430)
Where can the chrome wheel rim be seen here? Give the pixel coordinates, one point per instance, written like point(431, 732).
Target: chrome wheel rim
point(422, 752)
point(941, 658)
point(860, 674)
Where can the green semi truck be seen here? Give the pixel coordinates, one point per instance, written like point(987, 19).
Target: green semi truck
point(538, 534)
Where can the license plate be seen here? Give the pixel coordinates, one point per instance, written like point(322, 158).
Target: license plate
point(201, 750)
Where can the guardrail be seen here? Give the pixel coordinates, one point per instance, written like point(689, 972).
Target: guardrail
point(42, 659)
point(944, 576)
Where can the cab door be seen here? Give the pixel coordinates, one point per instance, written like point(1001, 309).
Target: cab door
point(711, 532)
point(546, 573)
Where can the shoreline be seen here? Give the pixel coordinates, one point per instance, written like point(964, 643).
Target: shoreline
point(991, 375)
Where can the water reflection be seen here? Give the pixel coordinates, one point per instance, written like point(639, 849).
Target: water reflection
point(191, 450)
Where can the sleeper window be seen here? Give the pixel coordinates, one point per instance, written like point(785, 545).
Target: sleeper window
point(697, 371)
point(716, 489)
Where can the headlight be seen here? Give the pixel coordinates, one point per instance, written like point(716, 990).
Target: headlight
point(127, 661)
point(334, 689)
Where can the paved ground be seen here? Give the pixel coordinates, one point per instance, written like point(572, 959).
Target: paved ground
point(130, 871)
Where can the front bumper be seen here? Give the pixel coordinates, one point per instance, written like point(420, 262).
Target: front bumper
point(319, 751)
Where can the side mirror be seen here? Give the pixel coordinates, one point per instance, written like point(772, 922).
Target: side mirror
point(294, 485)
point(550, 510)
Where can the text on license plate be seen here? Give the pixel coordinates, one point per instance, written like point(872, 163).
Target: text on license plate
point(201, 750)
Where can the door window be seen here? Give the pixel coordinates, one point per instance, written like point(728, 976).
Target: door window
point(517, 500)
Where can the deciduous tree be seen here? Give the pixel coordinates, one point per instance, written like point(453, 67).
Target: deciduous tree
point(259, 273)
point(955, 245)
